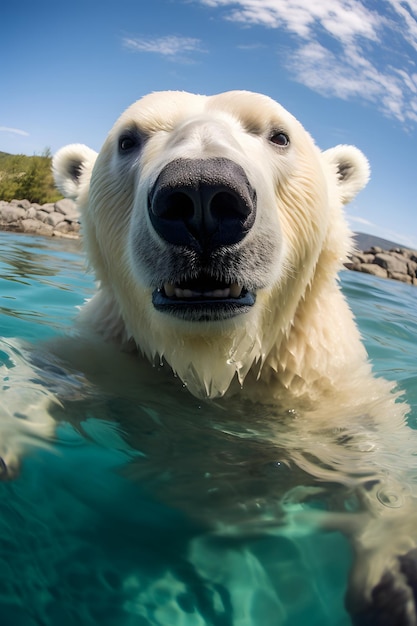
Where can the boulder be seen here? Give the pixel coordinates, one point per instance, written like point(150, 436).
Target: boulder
point(49, 207)
point(404, 278)
point(36, 227)
point(393, 262)
point(12, 213)
point(54, 218)
point(64, 227)
point(66, 207)
point(41, 215)
point(373, 250)
point(24, 204)
point(362, 257)
point(412, 268)
point(31, 213)
point(374, 269)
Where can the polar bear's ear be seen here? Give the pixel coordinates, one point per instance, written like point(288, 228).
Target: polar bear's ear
point(351, 168)
point(71, 166)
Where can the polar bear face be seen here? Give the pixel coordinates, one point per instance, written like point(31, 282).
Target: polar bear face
point(207, 221)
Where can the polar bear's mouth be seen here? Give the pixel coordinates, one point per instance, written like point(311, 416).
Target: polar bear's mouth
point(203, 299)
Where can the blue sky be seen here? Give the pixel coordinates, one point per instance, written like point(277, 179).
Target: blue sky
point(347, 69)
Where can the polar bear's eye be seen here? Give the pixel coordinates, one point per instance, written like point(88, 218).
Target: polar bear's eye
point(129, 141)
point(279, 139)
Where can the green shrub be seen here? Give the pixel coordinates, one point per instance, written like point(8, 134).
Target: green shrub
point(27, 177)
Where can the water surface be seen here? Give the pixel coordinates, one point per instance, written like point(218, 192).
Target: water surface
point(110, 522)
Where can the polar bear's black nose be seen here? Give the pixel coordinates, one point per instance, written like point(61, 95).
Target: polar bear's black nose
point(202, 203)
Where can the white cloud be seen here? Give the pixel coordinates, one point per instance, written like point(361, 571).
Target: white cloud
point(408, 16)
point(341, 18)
point(170, 46)
point(341, 47)
point(15, 131)
point(360, 220)
point(351, 75)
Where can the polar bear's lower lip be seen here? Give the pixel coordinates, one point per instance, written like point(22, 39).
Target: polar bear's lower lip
point(208, 305)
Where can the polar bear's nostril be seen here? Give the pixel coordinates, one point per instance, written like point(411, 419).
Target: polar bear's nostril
point(175, 205)
point(202, 203)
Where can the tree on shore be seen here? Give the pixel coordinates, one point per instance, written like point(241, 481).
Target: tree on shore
point(24, 177)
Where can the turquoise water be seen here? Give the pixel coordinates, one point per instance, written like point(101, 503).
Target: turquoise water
point(110, 523)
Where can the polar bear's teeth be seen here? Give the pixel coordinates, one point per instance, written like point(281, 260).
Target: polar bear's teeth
point(169, 290)
point(234, 291)
point(186, 293)
point(217, 293)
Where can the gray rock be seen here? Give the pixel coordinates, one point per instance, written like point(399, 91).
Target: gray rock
point(54, 218)
point(63, 227)
point(41, 215)
point(24, 204)
point(374, 269)
point(412, 268)
point(49, 207)
point(63, 235)
point(31, 213)
point(404, 278)
point(374, 250)
point(66, 207)
point(12, 213)
point(36, 227)
point(398, 255)
point(392, 262)
point(361, 257)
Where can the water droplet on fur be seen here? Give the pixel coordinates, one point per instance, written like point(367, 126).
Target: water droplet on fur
point(366, 446)
point(389, 499)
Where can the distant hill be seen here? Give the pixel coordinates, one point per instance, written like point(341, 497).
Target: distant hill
point(365, 242)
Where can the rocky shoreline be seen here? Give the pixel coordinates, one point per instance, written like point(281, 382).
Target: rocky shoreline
point(61, 219)
point(397, 263)
point(55, 219)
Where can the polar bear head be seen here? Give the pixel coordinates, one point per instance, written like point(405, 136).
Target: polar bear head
point(209, 221)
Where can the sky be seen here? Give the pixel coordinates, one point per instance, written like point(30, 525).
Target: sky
point(347, 69)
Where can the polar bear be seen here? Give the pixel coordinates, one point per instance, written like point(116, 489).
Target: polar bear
point(215, 228)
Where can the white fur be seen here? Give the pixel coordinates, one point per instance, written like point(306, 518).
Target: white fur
point(70, 158)
point(300, 334)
